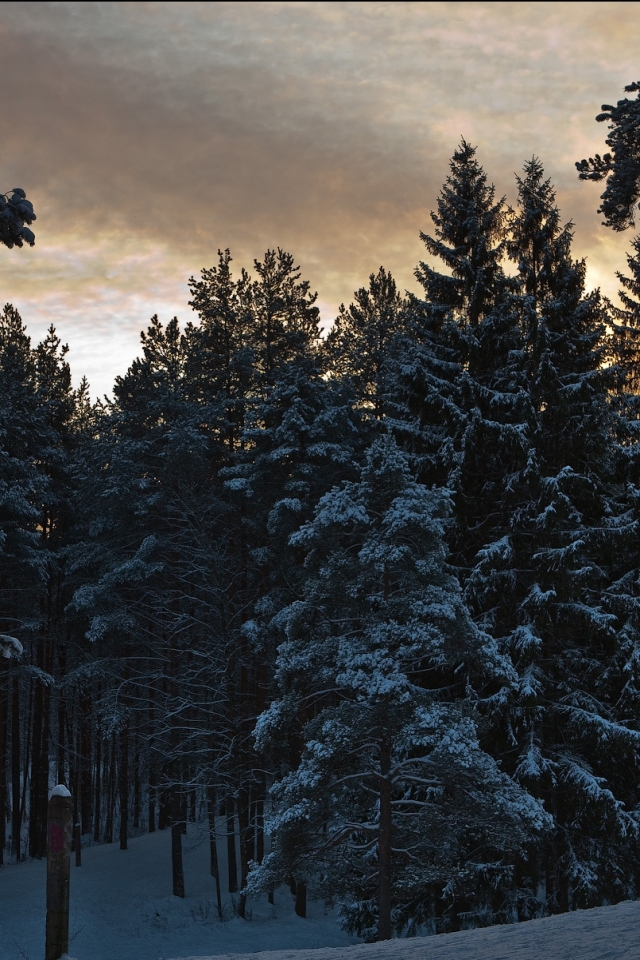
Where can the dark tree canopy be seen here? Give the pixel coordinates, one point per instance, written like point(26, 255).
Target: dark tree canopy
point(16, 213)
point(621, 167)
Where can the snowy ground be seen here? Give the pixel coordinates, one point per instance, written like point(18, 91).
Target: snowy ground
point(122, 909)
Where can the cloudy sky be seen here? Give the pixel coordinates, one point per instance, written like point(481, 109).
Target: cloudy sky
point(148, 135)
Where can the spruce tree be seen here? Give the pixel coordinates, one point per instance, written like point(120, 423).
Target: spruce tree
point(574, 743)
point(621, 167)
point(440, 349)
point(360, 343)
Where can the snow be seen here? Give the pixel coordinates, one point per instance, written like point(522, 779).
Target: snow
point(122, 909)
point(605, 933)
point(59, 791)
point(9, 647)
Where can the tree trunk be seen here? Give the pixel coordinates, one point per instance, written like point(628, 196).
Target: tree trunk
point(124, 787)
point(151, 805)
point(259, 831)
point(164, 813)
point(231, 847)
point(3, 766)
point(16, 810)
point(98, 789)
point(62, 733)
point(137, 795)
point(246, 845)
point(213, 846)
point(178, 823)
point(77, 826)
point(301, 899)
point(110, 789)
point(384, 844)
point(85, 765)
point(39, 773)
point(177, 869)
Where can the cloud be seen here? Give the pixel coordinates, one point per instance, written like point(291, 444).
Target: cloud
point(150, 134)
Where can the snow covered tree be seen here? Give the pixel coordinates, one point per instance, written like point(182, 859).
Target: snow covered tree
point(440, 348)
point(149, 567)
point(393, 796)
point(621, 167)
point(624, 356)
point(564, 727)
point(470, 241)
point(36, 405)
point(252, 368)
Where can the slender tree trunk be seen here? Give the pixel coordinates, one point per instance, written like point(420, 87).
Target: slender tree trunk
point(110, 781)
point(184, 803)
point(164, 813)
point(124, 787)
point(97, 789)
point(26, 756)
point(36, 776)
point(86, 730)
point(213, 846)
point(384, 844)
point(4, 722)
point(62, 733)
point(177, 868)
point(246, 844)
point(16, 811)
point(137, 794)
point(178, 825)
point(75, 780)
point(153, 787)
point(301, 899)
point(231, 846)
point(259, 830)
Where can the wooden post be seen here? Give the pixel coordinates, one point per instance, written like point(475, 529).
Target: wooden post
point(59, 830)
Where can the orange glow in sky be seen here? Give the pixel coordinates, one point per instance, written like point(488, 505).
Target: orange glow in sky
point(148, 135)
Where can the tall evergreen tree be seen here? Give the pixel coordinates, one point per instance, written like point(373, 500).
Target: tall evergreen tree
point(621, 167)
point(393, 791)
point(359, 344)
point(441, 349)
point(565, 727)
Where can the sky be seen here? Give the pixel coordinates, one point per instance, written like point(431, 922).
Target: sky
point(149, 135)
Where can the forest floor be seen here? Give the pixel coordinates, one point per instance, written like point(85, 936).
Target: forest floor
point(122, 909)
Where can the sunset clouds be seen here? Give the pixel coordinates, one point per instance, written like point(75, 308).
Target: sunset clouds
point(150, 134)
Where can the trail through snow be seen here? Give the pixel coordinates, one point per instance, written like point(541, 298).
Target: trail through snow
point(122, 909)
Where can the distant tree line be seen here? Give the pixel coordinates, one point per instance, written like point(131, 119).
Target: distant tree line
point(381, 590)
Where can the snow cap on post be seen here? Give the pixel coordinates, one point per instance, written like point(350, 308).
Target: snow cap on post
point(59, 791)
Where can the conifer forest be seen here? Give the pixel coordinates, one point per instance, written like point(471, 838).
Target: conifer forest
point(373, 597)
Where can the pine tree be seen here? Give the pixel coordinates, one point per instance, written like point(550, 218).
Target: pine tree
point(393, 792)
point(152, 591)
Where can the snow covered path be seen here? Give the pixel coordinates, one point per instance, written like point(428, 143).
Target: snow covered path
point(606, 933)
point(122, 909)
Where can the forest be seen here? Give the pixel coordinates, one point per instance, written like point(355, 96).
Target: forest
point(373, 597)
